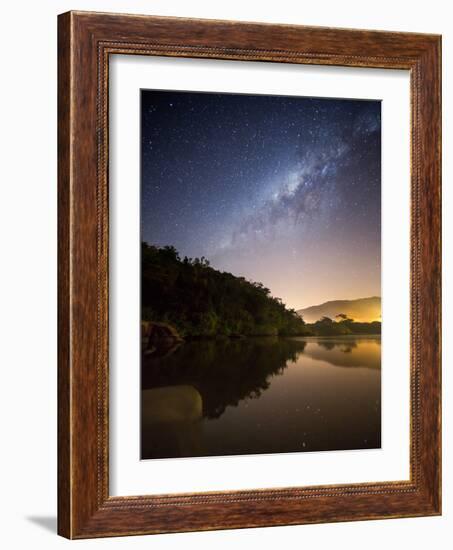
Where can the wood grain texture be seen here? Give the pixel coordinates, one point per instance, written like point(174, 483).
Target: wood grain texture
point(86, 40)
point(64, 390)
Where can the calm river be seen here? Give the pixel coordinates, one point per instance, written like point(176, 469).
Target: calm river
point(262, 395)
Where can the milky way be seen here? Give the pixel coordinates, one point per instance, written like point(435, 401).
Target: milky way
point(281, 190)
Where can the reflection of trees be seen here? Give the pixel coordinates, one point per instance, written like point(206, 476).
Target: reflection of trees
point(223, 371)
point(346, 352)
point(327, 345)
point(344, 347)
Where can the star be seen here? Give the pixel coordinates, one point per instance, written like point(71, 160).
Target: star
point(254, 182)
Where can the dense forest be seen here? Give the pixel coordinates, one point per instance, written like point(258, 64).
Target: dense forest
point(200, 301)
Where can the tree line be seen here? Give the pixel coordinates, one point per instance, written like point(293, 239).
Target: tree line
point(200, 301)
point(342, 326)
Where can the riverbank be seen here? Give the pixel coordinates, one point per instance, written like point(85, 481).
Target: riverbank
point(160, 337)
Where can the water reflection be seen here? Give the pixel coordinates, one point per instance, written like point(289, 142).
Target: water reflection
point(224, 372)
point(347, 352)
point(261, 395)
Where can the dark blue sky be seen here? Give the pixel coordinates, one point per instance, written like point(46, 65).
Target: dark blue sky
point(281, 190)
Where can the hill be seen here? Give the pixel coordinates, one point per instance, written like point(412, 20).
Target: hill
point(363, 310)
point(200, 301)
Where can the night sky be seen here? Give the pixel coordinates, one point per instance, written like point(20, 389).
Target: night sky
point(281, 190)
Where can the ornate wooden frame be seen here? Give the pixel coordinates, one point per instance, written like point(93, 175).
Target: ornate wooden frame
point(85, 41)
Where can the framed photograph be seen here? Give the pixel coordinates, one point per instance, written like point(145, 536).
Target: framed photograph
point(249, 275)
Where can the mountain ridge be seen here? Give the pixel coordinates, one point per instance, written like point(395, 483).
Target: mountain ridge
point(360, 309)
